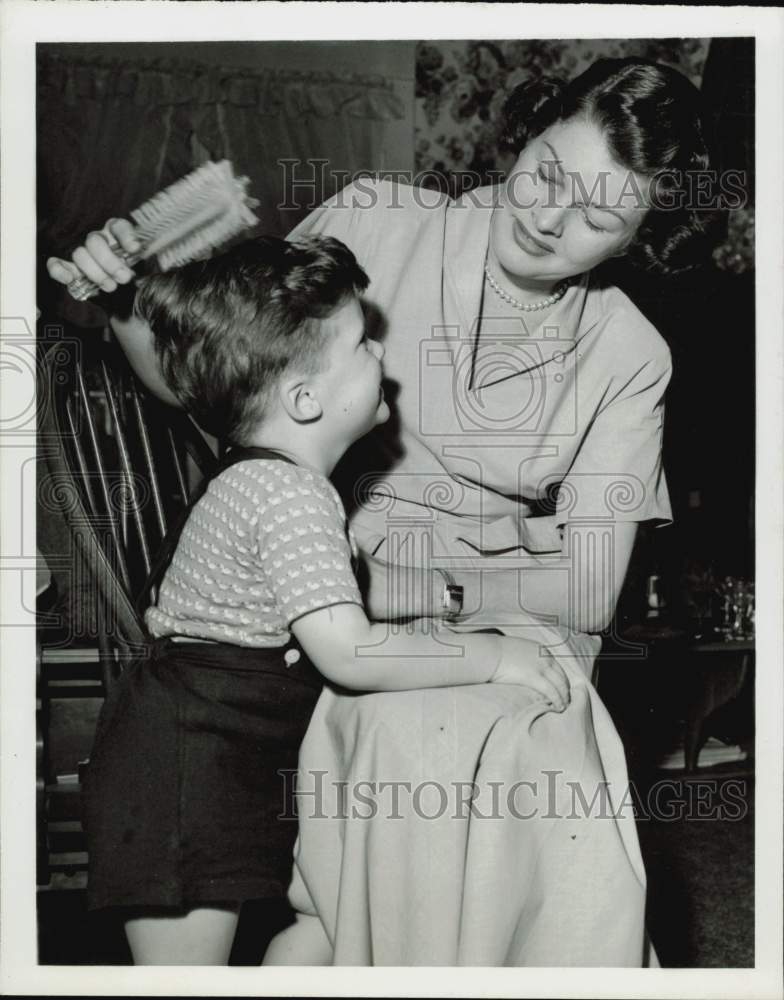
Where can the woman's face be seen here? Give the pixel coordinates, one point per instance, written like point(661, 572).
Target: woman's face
point(566, 206)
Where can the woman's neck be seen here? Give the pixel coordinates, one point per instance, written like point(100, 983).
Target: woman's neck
point(528, 291)
point(495, 307)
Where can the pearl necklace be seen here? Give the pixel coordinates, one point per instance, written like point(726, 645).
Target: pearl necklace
point(557, 295)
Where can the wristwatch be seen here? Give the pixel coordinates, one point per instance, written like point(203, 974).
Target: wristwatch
point(451, 598)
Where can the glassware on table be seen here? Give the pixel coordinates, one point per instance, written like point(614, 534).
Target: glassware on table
point(700, 600)
point(736, 609)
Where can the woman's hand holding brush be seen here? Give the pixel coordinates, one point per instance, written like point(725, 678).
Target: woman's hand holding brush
point(98, 258)
point(99, 261)
point(186, 221)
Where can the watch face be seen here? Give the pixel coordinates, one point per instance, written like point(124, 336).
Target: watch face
point(453, 599)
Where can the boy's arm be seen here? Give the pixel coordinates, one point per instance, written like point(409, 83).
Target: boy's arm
point(355, 654)
point(394, 592)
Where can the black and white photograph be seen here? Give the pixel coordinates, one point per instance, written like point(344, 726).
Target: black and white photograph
point(392, 509)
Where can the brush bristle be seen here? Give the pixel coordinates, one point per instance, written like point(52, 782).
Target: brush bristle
point(194, 215)
point(187, 220)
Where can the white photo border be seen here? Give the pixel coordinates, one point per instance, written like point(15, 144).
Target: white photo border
point(25, 22)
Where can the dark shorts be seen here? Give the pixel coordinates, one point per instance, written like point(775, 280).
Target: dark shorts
point(183, 800)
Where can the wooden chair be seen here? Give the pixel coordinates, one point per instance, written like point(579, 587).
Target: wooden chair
point(119, 468)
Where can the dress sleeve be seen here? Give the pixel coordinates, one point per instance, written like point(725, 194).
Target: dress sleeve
point(305, 550)
point(617, 474)
point(342, 216)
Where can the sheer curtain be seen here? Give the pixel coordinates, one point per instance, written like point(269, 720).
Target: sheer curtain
point(105, 129)
point(112, 131)
point(299, 136)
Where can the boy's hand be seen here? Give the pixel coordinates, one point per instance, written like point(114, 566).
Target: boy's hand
point(97, 259)
point(523, 663)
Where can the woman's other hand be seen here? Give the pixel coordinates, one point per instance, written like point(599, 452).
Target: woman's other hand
point(583, 593)
point(528, 664)
point(98, 259)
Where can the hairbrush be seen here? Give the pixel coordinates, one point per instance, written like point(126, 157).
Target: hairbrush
point(185, 221)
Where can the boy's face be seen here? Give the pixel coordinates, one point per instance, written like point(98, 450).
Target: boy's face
point(349, 387)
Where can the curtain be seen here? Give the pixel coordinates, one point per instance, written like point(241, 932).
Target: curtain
point(113, 131)
point(299, 136)
point(104, 131)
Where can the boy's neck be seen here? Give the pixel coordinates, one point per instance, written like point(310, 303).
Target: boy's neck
point(305, 449)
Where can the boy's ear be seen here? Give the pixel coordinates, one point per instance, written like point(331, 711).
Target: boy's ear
point(298, 398)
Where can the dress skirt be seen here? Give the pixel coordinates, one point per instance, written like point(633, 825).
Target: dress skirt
point(188, 793)
point(471, 826)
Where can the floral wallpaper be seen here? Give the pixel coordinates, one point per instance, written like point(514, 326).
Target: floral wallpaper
point(461, 87)
point(736, 253)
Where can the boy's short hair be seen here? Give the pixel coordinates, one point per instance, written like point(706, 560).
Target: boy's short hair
point(227, 328)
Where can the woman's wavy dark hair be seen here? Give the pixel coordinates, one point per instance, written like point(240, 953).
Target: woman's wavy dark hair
point(652, 118)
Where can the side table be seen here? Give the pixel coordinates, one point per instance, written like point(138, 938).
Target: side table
point(656, 681)
point(721, 671)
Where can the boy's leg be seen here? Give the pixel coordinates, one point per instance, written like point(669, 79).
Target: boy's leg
point(202, 936)
point(304, 943)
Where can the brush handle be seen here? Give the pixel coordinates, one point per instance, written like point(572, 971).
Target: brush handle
point(82, 288)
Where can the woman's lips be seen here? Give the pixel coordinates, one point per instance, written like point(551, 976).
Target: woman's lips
point(527, 242)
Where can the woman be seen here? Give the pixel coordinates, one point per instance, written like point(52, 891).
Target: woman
point(527, 452)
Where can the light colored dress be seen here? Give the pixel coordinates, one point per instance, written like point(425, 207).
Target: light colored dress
point(497, 446)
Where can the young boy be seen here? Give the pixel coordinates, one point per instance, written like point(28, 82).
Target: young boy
point(265, 346)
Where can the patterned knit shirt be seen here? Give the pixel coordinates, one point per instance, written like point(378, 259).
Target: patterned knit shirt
point(267, 543)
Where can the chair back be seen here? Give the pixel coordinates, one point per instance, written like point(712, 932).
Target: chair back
point(119, 472)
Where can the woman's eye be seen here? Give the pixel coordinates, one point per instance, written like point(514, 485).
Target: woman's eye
point(546, 177)
point(596, 229)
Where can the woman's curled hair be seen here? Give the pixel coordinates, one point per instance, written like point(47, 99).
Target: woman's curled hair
point(652, 119)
